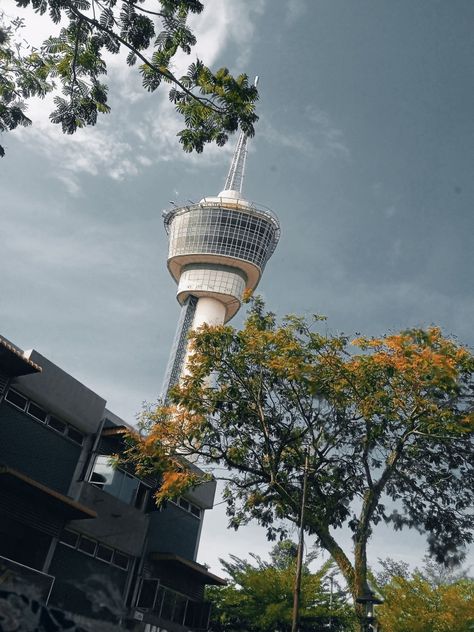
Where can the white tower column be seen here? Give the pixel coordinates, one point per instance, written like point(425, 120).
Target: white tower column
point(209, 311)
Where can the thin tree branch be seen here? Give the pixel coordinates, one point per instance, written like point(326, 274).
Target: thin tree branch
point(167, 75)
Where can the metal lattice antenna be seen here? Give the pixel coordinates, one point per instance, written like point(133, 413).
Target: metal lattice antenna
point(235, 177)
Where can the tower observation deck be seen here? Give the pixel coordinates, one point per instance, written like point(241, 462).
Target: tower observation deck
point(218, 248)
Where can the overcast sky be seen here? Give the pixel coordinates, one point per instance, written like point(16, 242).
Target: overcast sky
point(364, 150)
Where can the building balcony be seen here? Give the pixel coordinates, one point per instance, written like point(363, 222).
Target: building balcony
point(21, 579)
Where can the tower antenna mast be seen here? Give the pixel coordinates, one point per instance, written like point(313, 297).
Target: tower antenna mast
point(235, 177)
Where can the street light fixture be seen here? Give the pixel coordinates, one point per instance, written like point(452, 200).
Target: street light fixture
point(299, 560)
point(369, 600)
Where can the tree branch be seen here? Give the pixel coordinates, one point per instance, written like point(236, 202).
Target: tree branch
point(74, 60)
point(167, 75)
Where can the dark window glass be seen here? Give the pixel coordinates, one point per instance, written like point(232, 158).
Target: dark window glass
point(104, 553)
point(141, 496)
point(16, 399)
point(159, 600)
point(86, 545)
point(103, 472)
point(69, 537)
point(167, 608)
point(128, 488)
point(184, 504)
point(197, 615)
point(179, 609)
point(195, 511)
point(120, 560)
point(35, 411)
point(75, 435)
point(114, 481)
point(57, 424)
point(148, 590)
point(190, 614)
point(204, 615)
point(151, 502)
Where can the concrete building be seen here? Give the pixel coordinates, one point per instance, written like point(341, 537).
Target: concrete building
point(77, 533)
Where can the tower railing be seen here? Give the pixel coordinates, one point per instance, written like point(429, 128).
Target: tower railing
point(252, 208)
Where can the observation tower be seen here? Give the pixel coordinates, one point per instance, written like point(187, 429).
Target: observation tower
point(218, 248)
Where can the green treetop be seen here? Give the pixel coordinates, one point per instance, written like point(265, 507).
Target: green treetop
point(387, 422)
point(427, 600)
point(73, 65)
point(259, 595)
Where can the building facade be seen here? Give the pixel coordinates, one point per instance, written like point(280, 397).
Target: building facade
point(77, 533)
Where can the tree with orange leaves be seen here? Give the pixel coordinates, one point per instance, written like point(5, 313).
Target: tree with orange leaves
point(387, 423)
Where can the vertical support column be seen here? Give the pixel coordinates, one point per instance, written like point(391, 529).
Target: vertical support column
point(194, 313)
point(209, 311)
point(179, 347)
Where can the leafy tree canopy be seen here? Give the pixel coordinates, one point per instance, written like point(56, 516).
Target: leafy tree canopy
point(259, 596)
point(387, 422)
point(433, 572)
point(73, 65)
point(425, 600)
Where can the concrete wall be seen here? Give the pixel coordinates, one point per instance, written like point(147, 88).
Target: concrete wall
point(173, 530)
point(117, 524)
point(61, 394)
point(35, 450)
point(203, 495)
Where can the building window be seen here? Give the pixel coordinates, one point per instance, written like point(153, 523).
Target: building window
point(118, 483)
point(187, 506)
point(70, 538)
point(75, 435)
point(16, 399)
point(104, 553)
point(86, 545)
point(147, 596)
point(180, 609)
point(184, 504)
point(37, 412)
point(195, 511)
point(142, 496)
point(167, 606)
point(120, 560)
point(91, 547)
point(197, 615)
point(56, 424)
point(171, 605)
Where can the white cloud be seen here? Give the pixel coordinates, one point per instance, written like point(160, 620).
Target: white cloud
point(100, 150)
point(105, 150)
point(224, 23)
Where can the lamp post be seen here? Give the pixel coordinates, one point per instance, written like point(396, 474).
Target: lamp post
point(331, 579)
point(299, 560)
point(369, 600)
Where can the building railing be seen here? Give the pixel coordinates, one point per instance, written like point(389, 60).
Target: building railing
point(170, 606)
point(252, 208)
point(25, 580)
